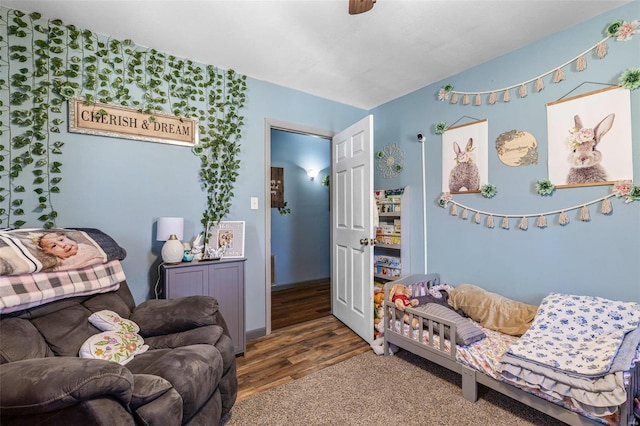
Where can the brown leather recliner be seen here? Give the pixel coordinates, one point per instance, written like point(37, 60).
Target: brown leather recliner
point(187, 377)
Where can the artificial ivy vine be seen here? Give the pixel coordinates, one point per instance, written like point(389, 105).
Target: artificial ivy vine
point(45, 63)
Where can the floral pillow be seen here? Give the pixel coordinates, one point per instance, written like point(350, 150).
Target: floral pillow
point(108, 320)
point(119, 343)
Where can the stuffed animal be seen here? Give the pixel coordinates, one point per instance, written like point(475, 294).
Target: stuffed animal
point(400, 295)
point(378, 344)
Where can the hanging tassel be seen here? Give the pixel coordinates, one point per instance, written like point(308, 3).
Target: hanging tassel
point(524, 223)
point(539, 84)
point(581, 63)
point(584, 214)
point(454, 210)
point(563, 219)
point(601, 49)
point(558, 76)
point(490, 221)
point(505, 222)
point(465, 100)
point(507, 96)
point(522, 92)
point(492, 98)
point(478, 100)
point(454, 98)
point(465, 214)
point(606, 206)
point(476, 217)
point(541, 222)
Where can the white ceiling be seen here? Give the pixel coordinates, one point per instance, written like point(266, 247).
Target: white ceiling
point(318, 48)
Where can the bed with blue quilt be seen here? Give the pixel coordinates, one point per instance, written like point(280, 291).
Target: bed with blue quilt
point(575, 358)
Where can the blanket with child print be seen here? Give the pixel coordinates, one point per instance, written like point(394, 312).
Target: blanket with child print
point(25, 251)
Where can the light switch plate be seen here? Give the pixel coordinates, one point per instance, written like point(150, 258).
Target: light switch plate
point(254, 203)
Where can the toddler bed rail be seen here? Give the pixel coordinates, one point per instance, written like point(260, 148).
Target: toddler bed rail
point(435, 340)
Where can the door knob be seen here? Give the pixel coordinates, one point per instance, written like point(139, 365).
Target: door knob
point(364, 241)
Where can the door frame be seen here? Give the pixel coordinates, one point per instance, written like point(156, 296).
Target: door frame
point(272, 124)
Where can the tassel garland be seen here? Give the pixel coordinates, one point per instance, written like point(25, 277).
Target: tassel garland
point(558, 76)
point(465, 100)
point(524, 223)
point(584, 214)
point(539, 84)
point(490, 221)
point(454, 98)
point(507, 96)
point(602, 49)
point(478, 100)
point(581, 63)
point(505, 222)
point(522, 92)
point(492, 98)
point(563, 219)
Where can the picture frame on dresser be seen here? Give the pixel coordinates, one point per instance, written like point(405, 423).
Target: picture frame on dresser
point(229, 234)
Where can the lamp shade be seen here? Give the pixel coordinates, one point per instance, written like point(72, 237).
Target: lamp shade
point(168, 226)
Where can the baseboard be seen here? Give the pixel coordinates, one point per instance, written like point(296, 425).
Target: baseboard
point(254, 334)
point(301, 283)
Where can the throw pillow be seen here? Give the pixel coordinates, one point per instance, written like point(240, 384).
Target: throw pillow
point(118, 346)
point(108, 320)
point(492, 310)
point(466, 331)
point(118, 342)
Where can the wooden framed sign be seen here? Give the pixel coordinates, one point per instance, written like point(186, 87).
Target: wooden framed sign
point(277, 187)
point(129, 123)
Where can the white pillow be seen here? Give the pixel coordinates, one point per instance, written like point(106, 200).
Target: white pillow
point(119, 341)
point(108, 320)
point(118, 346)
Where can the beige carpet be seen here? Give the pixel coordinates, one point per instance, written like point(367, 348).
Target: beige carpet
point(373, 390)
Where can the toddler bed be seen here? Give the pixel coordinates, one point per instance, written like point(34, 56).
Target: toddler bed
point(515, 366)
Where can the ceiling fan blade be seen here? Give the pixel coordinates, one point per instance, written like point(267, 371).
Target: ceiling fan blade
point(360, 6)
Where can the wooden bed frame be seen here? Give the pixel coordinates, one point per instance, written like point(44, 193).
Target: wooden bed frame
point(436, 352)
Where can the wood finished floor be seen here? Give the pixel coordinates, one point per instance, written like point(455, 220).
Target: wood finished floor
point(300, 304)
point(294, 351)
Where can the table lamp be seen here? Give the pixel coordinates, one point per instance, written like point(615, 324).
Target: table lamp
point(170, 230)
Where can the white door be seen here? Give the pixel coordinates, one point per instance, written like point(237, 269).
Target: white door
point(352, 230)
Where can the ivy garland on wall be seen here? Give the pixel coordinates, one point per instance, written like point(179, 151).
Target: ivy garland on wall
point(45, 63)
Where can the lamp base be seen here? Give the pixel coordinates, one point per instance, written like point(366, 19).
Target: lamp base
point(172, 250)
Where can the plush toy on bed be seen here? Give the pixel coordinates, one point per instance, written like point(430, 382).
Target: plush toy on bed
point(400, 295)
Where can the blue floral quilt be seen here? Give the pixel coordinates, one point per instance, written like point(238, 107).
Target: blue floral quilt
point(577, 334)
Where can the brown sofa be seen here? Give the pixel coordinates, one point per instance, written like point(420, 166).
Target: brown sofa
point(187, 377)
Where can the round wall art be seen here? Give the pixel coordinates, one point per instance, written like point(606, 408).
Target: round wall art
point(390, 160)
point(517, 148)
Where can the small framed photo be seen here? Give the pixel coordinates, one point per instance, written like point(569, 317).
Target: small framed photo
point(229, 234)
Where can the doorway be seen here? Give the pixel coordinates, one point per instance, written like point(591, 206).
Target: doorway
point(295, 253)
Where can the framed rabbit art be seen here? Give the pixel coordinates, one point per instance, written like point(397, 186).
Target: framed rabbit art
point(465, 157)
point(590, 139)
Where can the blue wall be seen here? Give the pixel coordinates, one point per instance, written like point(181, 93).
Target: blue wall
point(122, 186)
point(600, 257)
point(301, 240)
